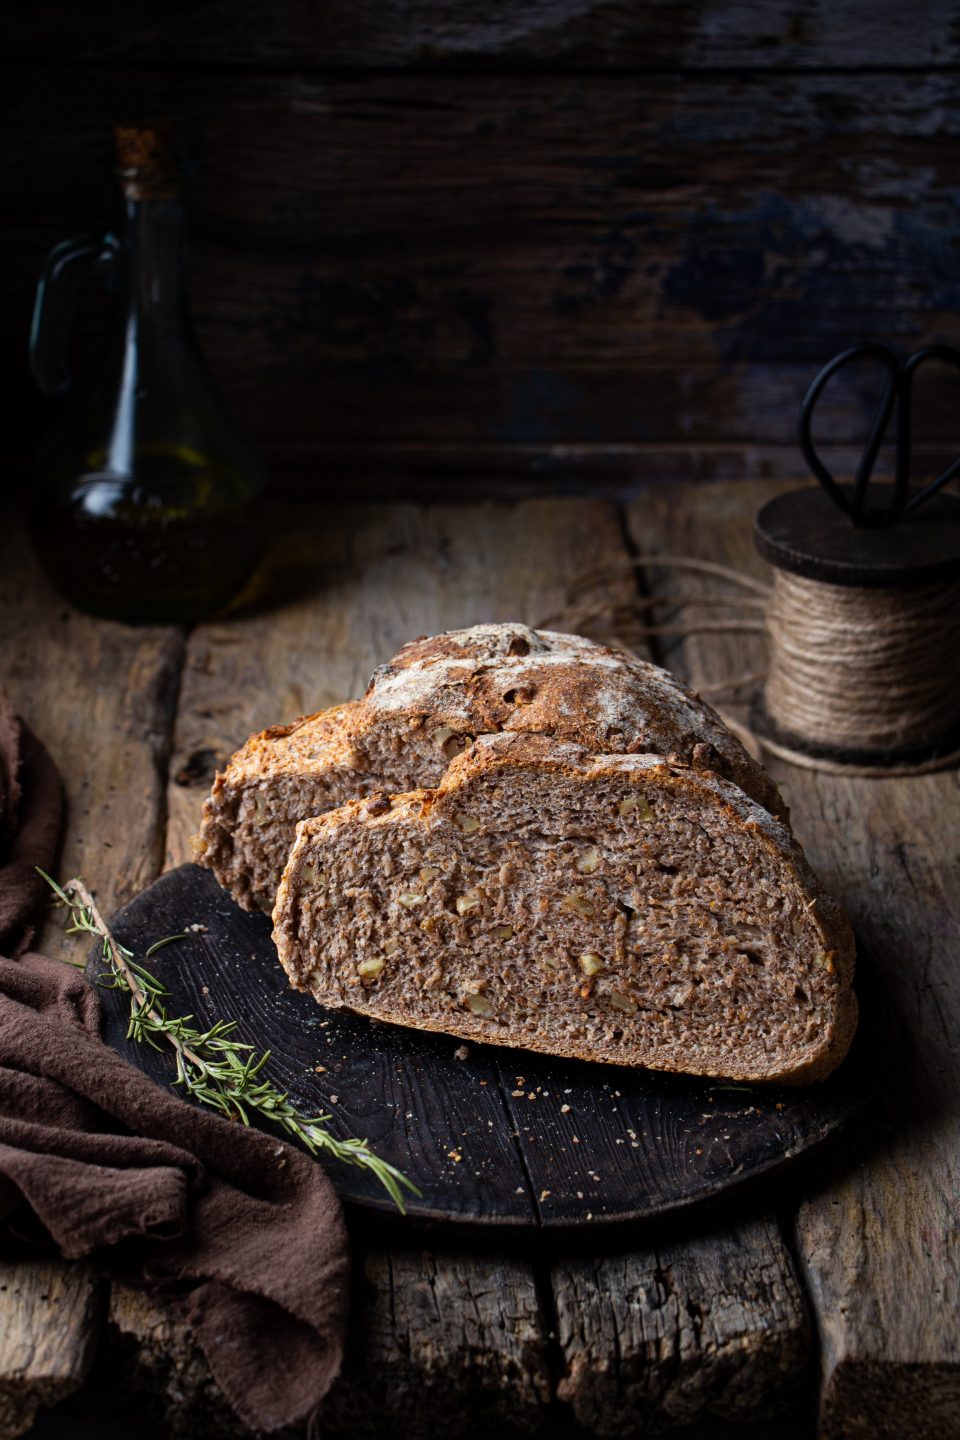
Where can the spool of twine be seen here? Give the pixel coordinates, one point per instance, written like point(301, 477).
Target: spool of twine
point(863, 669)
point(859, 680)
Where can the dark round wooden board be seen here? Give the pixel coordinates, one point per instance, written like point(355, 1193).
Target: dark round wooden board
point(501, 1137)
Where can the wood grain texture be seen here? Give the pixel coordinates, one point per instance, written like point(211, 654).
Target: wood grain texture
point(153, 1348)
point(716, 1326)
point(101, 696)
point(384, 261)
point(446, 1343)
point(441, 472)
point(586, 34)
point(439, 1342)
point(878, 1248)
point(47, 1337)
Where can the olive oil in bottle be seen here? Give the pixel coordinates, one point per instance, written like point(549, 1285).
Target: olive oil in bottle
point(145, 505)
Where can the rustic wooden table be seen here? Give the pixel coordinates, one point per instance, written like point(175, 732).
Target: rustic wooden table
point(847, 1286)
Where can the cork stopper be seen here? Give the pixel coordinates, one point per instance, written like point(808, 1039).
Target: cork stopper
point(145, 162)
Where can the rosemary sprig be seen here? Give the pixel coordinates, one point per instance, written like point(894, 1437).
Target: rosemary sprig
point(212, 1066)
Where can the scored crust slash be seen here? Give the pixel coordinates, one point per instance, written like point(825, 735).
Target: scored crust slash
point(598, 870)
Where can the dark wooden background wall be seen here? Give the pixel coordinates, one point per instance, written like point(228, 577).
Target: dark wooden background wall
point(565, 243)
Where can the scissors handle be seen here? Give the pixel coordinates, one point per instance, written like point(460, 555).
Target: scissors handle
point(899, 392)
point(854, 506)
point(902, 505)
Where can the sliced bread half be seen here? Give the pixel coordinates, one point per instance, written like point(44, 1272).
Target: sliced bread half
point(619, 908)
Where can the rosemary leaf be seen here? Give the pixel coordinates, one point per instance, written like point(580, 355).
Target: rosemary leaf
point(159, 944)
point(212, 1066)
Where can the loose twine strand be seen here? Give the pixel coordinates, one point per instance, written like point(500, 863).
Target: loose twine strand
point(848, 668)
point(624, 623)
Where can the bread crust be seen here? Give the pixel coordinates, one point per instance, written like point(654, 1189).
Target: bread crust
point(495, 678)
point(503, 754)
point(325, 744)
point(438, 694)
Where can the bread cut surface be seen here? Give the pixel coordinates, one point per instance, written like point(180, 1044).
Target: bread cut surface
point(425, 707)
point(618, 908)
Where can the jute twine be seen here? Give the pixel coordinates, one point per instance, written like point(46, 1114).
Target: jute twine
point(847, 668)
point(863, 669)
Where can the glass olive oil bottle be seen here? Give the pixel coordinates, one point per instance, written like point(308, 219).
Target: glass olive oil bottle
point(145, 503)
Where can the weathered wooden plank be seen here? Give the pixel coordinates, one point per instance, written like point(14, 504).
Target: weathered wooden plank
point(610, 259)
point(157, 1355)
point(880, 1250)
point(878, 1247)
point(438, 1343)
point(48, 1331)
point(432, 33)
point(678, 522)
point(101, 696)
point(448, 1343)
point(713, 1327)
point(482, 471)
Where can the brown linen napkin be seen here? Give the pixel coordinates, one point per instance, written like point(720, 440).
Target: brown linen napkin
point(243, 1231)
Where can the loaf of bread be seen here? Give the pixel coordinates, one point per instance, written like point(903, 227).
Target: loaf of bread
point(426, 706)
point(613, 907)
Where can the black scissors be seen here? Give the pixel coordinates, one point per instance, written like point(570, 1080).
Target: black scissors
point(899, 393)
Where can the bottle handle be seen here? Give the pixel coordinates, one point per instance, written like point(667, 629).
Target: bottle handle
point(65, 269)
